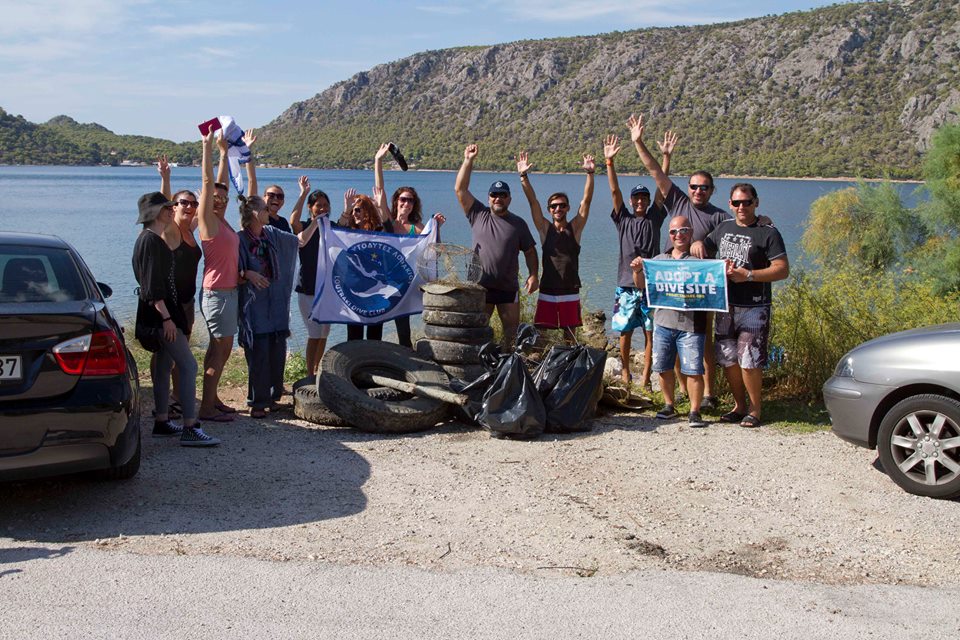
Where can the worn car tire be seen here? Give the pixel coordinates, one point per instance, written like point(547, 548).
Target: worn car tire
point(338, 390)
point(465, 299)
point(308, 406)
point(126, 470)
point(444, 352)
point(898, 442)
point(382, 393)
point(465, 372)
point(455, 319)
point(466, 335)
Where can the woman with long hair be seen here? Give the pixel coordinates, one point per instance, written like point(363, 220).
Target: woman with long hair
point(360, 212)
point(160, 312)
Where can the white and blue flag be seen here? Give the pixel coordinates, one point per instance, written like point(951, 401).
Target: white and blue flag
point(238, 152)
point(367, 277)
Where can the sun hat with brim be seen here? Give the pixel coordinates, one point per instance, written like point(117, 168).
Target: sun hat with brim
point(150, 205)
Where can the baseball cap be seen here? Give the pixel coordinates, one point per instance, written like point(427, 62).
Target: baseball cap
point(499, 187)
point(638, 190)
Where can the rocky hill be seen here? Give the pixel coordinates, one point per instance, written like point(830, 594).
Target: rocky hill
point(852, 89)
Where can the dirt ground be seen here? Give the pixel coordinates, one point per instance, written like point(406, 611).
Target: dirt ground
point(633, 494)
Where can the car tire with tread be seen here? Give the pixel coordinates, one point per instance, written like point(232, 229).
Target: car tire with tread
point(445, 352)
point(465, 372)
point(308, 406)
point(455, 319)
point(466, 299)
point(126, 470)
point(914, 461)
point(466, 335)
point(337, 388)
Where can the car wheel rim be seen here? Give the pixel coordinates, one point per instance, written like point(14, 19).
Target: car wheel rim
point(926, 447)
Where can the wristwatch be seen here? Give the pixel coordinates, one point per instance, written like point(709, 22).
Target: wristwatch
point(750, 276)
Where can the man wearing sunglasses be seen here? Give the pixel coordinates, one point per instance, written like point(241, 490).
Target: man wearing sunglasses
point(498, 238)
point(756, 256)
point(272, 195)
point(677, 333)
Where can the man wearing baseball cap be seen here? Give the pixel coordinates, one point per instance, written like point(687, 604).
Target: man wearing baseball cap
point(498, 238)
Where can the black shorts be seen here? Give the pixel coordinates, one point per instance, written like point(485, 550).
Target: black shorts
point(499, 296)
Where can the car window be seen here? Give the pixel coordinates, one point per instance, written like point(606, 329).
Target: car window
point(38, 274)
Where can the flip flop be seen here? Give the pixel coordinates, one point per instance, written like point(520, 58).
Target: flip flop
point(222, 408)
point(220, 417)
point(751, 422)
point(732, 416)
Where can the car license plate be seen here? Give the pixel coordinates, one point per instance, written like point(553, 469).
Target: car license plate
point(11, 368)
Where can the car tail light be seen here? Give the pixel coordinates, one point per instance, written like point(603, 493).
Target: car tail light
point(100, 354)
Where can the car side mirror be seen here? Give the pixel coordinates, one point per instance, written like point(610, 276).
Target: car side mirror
point(105, 289)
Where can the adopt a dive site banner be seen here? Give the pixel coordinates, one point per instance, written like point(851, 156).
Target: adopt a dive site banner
point(367, 277)
point(686, 285)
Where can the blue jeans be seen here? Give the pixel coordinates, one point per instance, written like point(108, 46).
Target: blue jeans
point(667, 343)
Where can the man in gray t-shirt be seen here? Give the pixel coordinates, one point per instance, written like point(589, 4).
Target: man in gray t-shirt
point(498, 238)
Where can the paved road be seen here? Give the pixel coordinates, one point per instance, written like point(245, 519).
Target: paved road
point(74, 592)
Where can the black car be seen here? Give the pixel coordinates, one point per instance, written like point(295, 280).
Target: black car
point(69, 395)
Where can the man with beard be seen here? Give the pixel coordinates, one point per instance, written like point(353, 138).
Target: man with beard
point(498, 238)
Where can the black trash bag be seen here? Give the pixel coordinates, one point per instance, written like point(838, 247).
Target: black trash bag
point(570, 381)
point(511, 404)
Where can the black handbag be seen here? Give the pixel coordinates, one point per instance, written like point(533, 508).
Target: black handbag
point(150, 338)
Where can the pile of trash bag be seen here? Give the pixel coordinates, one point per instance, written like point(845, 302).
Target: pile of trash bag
point(559, 397)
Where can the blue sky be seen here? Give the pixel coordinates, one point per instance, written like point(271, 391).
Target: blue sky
point(158, 68)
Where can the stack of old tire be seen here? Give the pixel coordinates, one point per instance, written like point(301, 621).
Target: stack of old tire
point(455, 326)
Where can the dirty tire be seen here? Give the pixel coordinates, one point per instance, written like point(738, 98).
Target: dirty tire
point(445, 352)
point(337, 389)
point(455, 319)
point(381, 393)
point(463, 300)
point(466, 335)
point(465, 372)
point(308, 406)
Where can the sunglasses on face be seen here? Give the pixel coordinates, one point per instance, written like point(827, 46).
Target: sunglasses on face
point(272, 195)
point(557, 205)
point(406, 200)
point(680, 231)
point(187, 203)
point(701, 187)
point(741, 203)
point(220, 199)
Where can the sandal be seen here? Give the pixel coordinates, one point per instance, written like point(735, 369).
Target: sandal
point(732, 416)
point(258, 414)
point(751, 422)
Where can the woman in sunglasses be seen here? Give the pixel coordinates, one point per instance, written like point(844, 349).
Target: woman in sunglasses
point(360, 212)
point(404, 218)
point(267, 257)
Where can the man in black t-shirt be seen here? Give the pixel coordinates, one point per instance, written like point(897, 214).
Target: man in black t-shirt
point(498, 238)
point(755, 256)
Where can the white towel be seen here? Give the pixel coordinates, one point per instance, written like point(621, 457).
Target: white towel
point(238, 152)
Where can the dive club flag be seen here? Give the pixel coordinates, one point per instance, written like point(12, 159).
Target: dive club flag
point(686, 285)
point(367, 277)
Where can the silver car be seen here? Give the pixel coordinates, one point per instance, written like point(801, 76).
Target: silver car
point(900, 394)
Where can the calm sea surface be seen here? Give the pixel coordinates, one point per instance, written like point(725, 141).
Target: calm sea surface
point(95, 209)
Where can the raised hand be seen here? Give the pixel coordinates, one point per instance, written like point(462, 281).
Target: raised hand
point(222, 143)
point(250, 137)
point(669, 142)
point(470, 152)
point(382, 151)
point(522, 164)
point(207, 138)
point(163, 167)
point(635, 124)
point(348, 197)
point(611, 146)
point(440, 218)
point(304, 183)
point(588, 164)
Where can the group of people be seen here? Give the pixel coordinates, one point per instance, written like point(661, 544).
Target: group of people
point(675, 340)
point(249, 275)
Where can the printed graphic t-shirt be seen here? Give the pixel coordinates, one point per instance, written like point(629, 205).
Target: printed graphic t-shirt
point(753, 247)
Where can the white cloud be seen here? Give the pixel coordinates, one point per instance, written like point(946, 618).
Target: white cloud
point(65, 19)
point(208, 29)
point(444, 10)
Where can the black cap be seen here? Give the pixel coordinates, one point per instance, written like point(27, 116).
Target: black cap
point(499, 187)
point(639, 189)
